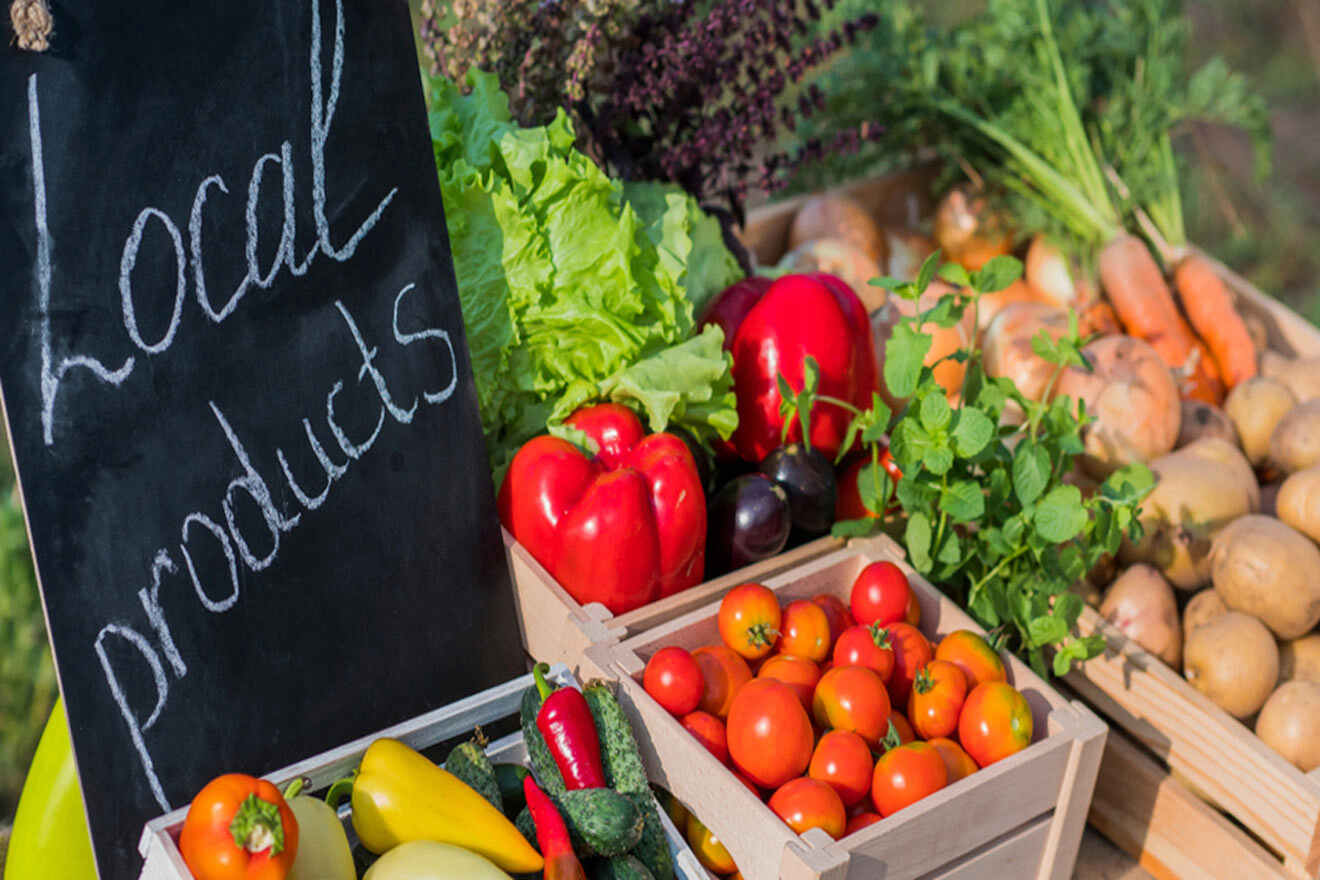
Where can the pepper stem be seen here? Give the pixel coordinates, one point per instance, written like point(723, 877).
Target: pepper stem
point(257, 826)
point(295, 788)
point(542, 686)
point(340, 790)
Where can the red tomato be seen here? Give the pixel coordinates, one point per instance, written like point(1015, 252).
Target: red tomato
point(852, 698)
point(866, 646)
point(905, 775)
point(724, 673)
point(912, 614)
point(749, 620)
point(880, 594)
point(809, 803)
point(674, 679)
point(973, 655)
point(742, 777)
point(900, 727)
point(911, 652)
point(838, 613)
point(995, 723)
point(770, 736)
point(937, 698)
point(843, 760)
point(798, 673)
point(860, 821)
point(805, 631)
point(709, 731)
point(959, 764)
point(707, 848)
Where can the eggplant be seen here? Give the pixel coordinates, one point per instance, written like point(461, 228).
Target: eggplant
point(747, 520)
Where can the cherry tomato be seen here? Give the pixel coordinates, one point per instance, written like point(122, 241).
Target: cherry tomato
point(959, 764)
point(848, 504)
point(724, 673)
point(860, 821)
point(911, 652)
point(973, 655)
point(880, 594)
point(866, 646)
point(937, 698)
point(674, 807)
point(912, 614)
point(798, 673)
point(900, 727)
point(838, 613)
point(905, 775)
point(770, 736)
point(809, 803)
point(806, 631)
point(674, 679)
point(843, 760)
point(852, 698)
point(707, 848)
point(749, 620)
point(995, 723)
point(709, 731)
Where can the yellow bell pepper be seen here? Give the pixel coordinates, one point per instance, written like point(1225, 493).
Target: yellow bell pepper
point(399, 796)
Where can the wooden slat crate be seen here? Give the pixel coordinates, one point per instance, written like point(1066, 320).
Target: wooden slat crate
point(159, 844)
point(1020, 817)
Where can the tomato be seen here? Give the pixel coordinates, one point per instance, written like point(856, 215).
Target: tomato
point(749, 620)
point(707, 848)
point(902, 727)
point(973, 655)
point(843, 760)
point(912, 614)
point(995, 723)
point(674, 807)
point(838, 613)
point(724, 672)
point(674, 680)
point(798, 673)
point(710, 732)
point(866, 646)
point(809, 803)
point(911, 652)
point(860, 821)
point(957, 762)
point(747, 783)
point(848, 504)
point(805, 631)
point(937, 698)
point(770, 736)
point(880, 594)
point(852, 698)
point(905, 775)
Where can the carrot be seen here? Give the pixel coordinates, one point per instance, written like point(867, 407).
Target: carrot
point(1209, 307)
point(1098, 318)
point(1145, 306)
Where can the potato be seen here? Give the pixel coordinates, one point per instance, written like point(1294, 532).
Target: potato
point(1295, 443)
point(1203, 420)
point(841, 258)
point(1141, 605)
point(947, 340)
point(1199, 490)
point(1050, 272)
point(1204, 607)
point(1007, 345)
point(1255, 408)
point(1232, 660)
point(1134, 401)
point(1300, 658)
point(1301, 375)
point(1298, 502)
point(838, 217)
point(1267, 569)
point(908, 249)
point(1289, 723)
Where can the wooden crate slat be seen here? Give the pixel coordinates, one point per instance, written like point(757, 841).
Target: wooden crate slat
point(1016, 854)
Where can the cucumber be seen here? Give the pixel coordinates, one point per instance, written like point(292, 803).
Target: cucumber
point(509, 777)
point(620, 868)
point(543, 763)
point(469, 763)
point(600, 821)
point(525, 824)
point(652, 848)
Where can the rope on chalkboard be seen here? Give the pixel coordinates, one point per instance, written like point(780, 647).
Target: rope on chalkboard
point(33, 24)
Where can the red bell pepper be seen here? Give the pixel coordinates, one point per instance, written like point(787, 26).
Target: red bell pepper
point(624, 528)
point(566, 723)
point(797, 316)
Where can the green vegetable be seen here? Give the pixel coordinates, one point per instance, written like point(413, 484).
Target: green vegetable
point(652, 849)
point(601, 821)
point(509, 777)
point(526, 825)
point(469, 763)
point(568, 279)
point(543, 763)
point(620, 868)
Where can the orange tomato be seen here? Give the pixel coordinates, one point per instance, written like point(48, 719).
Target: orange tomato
point(995, 723)
point(866, 646)
point(809, 803)
point(843, 761)
point(911, 652)
point(747, 783)
point(860, 821)
point(905, 775)
point(208, 844)
point(852, 698)
point(912, 614)
point(837, 611)
point(973, 655)
point(937, 698)
point(749, 620)
point(770, 736)
point(959, 764)
point(709, 731)
point(707, 848)
point(723, 673)
point(805, 631)
point(798, 673)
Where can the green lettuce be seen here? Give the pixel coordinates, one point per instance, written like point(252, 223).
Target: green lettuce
point(574, 287)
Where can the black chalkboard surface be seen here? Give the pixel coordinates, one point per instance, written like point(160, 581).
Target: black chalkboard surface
point(234, 372)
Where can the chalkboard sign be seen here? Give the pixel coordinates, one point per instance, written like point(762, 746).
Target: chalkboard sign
point(235, 376)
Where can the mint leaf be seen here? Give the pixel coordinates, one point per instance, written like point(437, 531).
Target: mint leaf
point(955, 274)
point(1060, 515)
point(926, 274)
point(917, 536)
point(1031, 471)
point(1046, 631)
point(874, 486)
point(963, 501)
point(997, 274)
point(894, 285)
point(938, 459)
point(854, 528)
point(973, 431)
point(904, 354)
point(935, 411)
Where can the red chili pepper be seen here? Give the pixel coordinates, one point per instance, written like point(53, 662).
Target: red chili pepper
point(570, 732)
point(552, 835)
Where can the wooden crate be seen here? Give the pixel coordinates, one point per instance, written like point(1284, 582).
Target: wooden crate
point(159, 843)
point(1020, 817)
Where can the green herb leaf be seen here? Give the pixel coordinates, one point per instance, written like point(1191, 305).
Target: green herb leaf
point(1060, 515)
point(963, 501)
point(894, 285)
point(935, 412)
point(1046, 631)
point(955, 275)
point(973, 431)
point(855, 528)
point(917, 537)
point(904, 354)
point(926, 274)
point(997, 274)
point(875, 487)
point(1031, 471)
